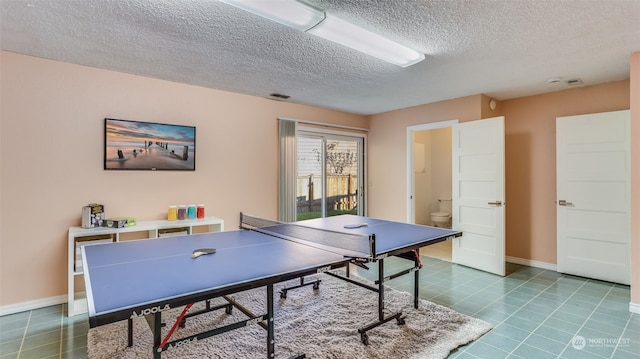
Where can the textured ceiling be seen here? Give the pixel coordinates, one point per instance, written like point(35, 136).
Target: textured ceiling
point(504, 49)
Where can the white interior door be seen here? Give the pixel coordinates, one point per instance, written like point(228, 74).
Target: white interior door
point(478, 194)
point(593, 195)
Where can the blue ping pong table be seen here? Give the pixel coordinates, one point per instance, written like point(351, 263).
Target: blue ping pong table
point(144, 278)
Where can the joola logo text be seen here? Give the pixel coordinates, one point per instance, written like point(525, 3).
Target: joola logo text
point(182, 342)
point(148, 311)
point(323, 269)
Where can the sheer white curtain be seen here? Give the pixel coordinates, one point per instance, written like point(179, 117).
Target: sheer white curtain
point(287, 211)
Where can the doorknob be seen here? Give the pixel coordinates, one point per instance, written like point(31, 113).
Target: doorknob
point(562, 202)
point(496, 203)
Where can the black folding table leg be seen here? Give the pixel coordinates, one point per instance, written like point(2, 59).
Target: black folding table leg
point(380, 289)
point(270, 324)
point(130, 332)
point(155, 323)
point(381, 319)
point(416, 277)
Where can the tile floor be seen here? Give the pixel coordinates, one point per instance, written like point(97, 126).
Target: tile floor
point(536, 313)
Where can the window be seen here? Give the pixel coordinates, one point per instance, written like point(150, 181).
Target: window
point(329, 174)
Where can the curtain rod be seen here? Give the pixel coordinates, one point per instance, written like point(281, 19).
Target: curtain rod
point(324, 124)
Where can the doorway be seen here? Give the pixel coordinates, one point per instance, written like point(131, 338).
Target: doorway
point(431, 177)
point(477, 190)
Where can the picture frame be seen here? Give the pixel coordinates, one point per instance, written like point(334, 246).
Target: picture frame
point(148, 146)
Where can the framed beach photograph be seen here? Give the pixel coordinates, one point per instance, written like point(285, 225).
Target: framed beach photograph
point(148, 146)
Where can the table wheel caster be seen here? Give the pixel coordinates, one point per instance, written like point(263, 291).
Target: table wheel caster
point(401, 321)
point(228, 309)
point(316, 285)
point(283, 294)
point(364, 338)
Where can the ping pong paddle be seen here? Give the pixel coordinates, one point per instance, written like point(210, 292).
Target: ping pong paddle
point(198, 252)
point(357, 225)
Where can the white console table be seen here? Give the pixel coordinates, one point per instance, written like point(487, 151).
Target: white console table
point(78, 236)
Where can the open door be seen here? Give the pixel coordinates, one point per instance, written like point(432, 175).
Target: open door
point(478, 194)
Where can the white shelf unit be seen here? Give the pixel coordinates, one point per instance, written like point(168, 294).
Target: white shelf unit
point(78, 236)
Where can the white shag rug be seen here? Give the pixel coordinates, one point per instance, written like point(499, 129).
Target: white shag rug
point(320, 323)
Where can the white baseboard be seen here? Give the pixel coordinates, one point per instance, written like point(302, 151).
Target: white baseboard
point(532, 263)
point(634, 308)
point(32, 304)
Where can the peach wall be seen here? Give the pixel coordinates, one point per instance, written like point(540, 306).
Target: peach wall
point(51, 159)
point(635, 181)
point(529, 160)
point(530, 129)
point(51, 146)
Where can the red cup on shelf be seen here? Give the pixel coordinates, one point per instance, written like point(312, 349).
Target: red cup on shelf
point(200, 211)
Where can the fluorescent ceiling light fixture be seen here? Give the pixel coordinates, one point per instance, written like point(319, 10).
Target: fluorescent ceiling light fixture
point(357, 38)
point(291, 13)
point(309, 19)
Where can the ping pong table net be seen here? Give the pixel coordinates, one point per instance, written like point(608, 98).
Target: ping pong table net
point(347, 244)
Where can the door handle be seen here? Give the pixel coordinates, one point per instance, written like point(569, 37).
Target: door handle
point(562, 202)
point(496, 203)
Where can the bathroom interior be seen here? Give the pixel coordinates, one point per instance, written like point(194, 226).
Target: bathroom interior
point(432, 151)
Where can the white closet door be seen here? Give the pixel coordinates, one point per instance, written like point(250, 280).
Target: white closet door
point(593, 195)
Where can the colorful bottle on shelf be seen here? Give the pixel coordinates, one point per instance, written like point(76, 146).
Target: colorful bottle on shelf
point(182, 212)
point(191, 211)
point(172, 214)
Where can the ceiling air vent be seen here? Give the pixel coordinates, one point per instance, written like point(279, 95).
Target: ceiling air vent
point(280, 96)
point(574, 82)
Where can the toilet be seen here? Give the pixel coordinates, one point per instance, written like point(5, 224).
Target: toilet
point(442, 218)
